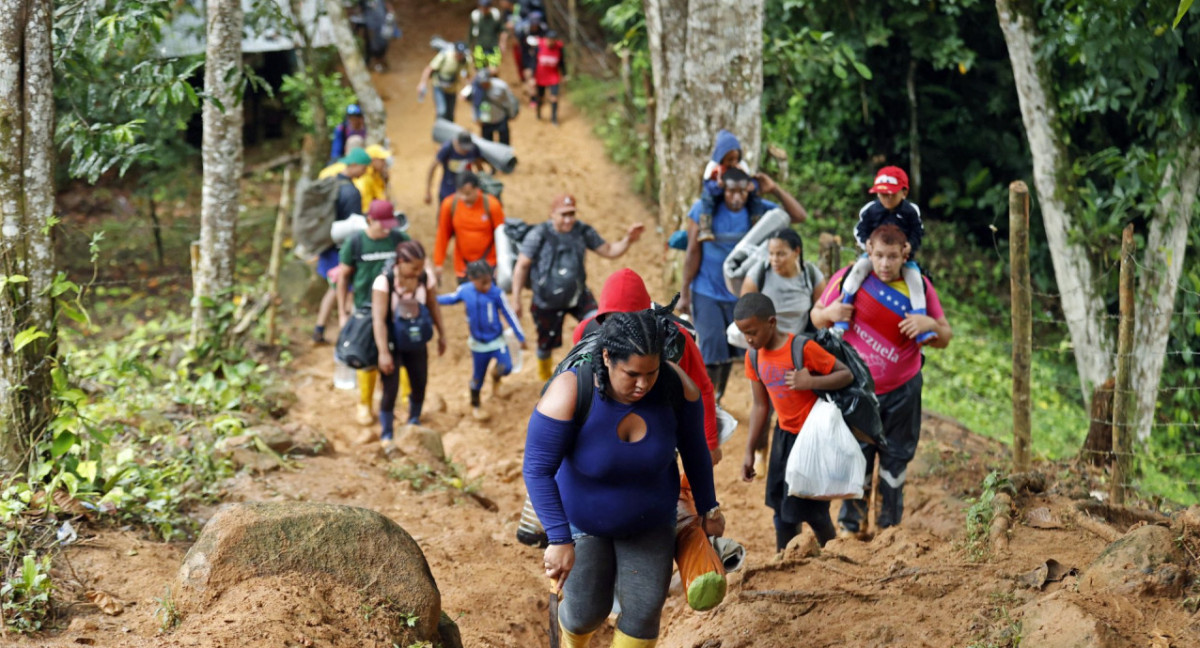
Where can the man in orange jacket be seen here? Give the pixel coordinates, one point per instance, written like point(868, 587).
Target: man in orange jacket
point(470, 217)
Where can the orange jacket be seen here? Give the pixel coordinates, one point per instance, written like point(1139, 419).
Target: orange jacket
point(474, 233)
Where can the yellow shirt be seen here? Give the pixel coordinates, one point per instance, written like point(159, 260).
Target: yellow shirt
point(370, 184)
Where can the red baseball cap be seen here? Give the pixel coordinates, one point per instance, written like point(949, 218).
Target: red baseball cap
point(382, 212)
point(889, 180)
point(563, 204)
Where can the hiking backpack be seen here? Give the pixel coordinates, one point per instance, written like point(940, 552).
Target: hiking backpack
point(857, 401)
point(561, 285)
point(316, 209)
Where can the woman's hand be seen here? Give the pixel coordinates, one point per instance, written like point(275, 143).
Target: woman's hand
point(558, 561)
point(385, 363)
point(715, 526)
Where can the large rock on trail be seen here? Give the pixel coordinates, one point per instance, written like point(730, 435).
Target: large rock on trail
point(320, 548)
point(1058, 621)
point(1145, 561)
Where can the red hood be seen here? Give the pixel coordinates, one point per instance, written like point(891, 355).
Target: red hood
point(624, 292)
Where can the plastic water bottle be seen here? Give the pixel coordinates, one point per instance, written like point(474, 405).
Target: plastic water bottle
point(529, 530)
point(514, 350)
point(343, 376)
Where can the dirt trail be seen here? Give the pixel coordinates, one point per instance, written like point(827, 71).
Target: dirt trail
point(912, 586)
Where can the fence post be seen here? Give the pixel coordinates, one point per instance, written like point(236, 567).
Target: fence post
point(829, 253)
point(1022, 323)
point(1122, 412)
point(281, 215)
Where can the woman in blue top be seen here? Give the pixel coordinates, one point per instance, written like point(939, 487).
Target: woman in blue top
point(606, 489)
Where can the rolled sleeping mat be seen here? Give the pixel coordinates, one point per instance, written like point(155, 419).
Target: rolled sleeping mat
point(757, 256)
point(498, 155)
point(736, 265)
point(438, 43)
point(344, 229)
point(504, 259)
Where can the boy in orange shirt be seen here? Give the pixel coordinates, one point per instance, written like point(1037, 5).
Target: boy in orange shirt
point(471, 217)
point(776, 376)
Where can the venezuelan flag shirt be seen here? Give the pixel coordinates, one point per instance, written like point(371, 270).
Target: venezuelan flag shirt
point(893, 357)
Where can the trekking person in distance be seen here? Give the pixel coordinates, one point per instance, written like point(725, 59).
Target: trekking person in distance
point(445, 69)
point(455, 157)
point(349, 201)
point(470, 217)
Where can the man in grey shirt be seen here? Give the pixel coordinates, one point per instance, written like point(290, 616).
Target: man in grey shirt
point(555, 251)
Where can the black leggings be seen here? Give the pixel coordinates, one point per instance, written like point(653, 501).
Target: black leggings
point(636, 568)
point(417, 364)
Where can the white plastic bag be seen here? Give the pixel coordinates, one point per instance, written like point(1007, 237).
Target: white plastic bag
point(733, 335)
point(826, 462)
point(514, 349)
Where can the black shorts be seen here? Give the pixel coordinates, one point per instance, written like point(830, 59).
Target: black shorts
point(549, 323)
point(541, 91)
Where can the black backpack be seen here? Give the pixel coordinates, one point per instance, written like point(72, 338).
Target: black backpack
point(857, 401)
point(560, 286)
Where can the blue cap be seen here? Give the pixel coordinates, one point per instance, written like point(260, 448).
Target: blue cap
point(460, 47)
point(353, 109)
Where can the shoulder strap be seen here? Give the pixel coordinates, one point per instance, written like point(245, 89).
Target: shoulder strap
point(798, 342)
point(585, 386)
point(356, 245)
point(762, 274)
point(754, 362)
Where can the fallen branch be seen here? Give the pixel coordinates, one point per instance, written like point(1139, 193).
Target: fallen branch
point(803, 596)
point(1100, 529)
point(267, 165)
point(1001, 523)
point(252, 315)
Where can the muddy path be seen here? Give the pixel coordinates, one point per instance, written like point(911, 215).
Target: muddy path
point(912, 586)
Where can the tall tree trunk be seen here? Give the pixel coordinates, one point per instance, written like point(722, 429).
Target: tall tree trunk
point(1158, 277)
point(356, 72)
point(26, 207)
point(308, 60)
point(707, 75)
point(222, 155)
point(1083, 306)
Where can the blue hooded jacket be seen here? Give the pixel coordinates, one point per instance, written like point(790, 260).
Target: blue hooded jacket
point(726, 142)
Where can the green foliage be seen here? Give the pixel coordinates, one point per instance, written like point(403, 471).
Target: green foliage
point(25, 598)
point(117, 102)
point(166, 612)
point(335, 93)
point(981, 513)
point(422, 477)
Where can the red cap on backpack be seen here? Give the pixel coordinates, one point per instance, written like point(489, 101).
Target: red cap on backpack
point(890, 180)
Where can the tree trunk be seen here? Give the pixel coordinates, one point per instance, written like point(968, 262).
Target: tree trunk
point(707, 76)
point(222, 156)
point(307, 61)
point(1158, 279)
point(914, 135)
point(356, 72)
point(26, 207)
point(1073, 270)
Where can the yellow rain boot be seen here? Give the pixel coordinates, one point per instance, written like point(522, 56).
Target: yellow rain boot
point(545, 368)
point(366, 396)
point(405, 386)
point(571, 640)
point(622, 640)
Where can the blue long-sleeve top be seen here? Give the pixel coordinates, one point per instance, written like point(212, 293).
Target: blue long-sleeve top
point(603, 486)
point(484, 311)
point(337, 147)
point(907, 216)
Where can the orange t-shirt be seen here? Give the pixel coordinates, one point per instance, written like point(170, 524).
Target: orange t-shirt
point(473, 232)
point(791, 406)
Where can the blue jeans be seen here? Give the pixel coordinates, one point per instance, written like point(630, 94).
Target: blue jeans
point(711, 318)
point(443, 103)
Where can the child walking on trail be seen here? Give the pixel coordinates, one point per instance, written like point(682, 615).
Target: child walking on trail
point(890, 207)
point(404, 319)
point(727, 154)
point(784, 377)
point(485, 304)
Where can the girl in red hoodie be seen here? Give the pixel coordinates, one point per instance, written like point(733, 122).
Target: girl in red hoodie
point(550, 70)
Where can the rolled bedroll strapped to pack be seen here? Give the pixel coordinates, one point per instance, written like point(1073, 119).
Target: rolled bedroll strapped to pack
point(752, 247)
point(438, 43)
point(500, 156)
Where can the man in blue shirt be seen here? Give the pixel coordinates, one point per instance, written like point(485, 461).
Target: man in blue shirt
point(458, 155)
point(705, 295)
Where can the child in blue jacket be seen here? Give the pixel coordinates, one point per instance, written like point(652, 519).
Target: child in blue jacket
point(485, 303)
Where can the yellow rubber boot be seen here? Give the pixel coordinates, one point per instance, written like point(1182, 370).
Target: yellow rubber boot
point(572, 640)
point(366, 386)
point(405, 386)
point(545, 368)
point(622, 640)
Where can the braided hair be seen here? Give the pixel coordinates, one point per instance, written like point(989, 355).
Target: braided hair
point(646, 333)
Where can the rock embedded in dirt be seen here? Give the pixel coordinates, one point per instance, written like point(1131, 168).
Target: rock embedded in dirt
point(414, 438)
point(292, 438)
point(1145, 561)
point(1058, 621)
point(324, 544)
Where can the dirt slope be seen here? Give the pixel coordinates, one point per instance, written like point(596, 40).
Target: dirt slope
point(913, 586)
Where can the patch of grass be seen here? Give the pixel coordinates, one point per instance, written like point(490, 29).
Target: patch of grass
point(422, 477)
point(167, 614)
